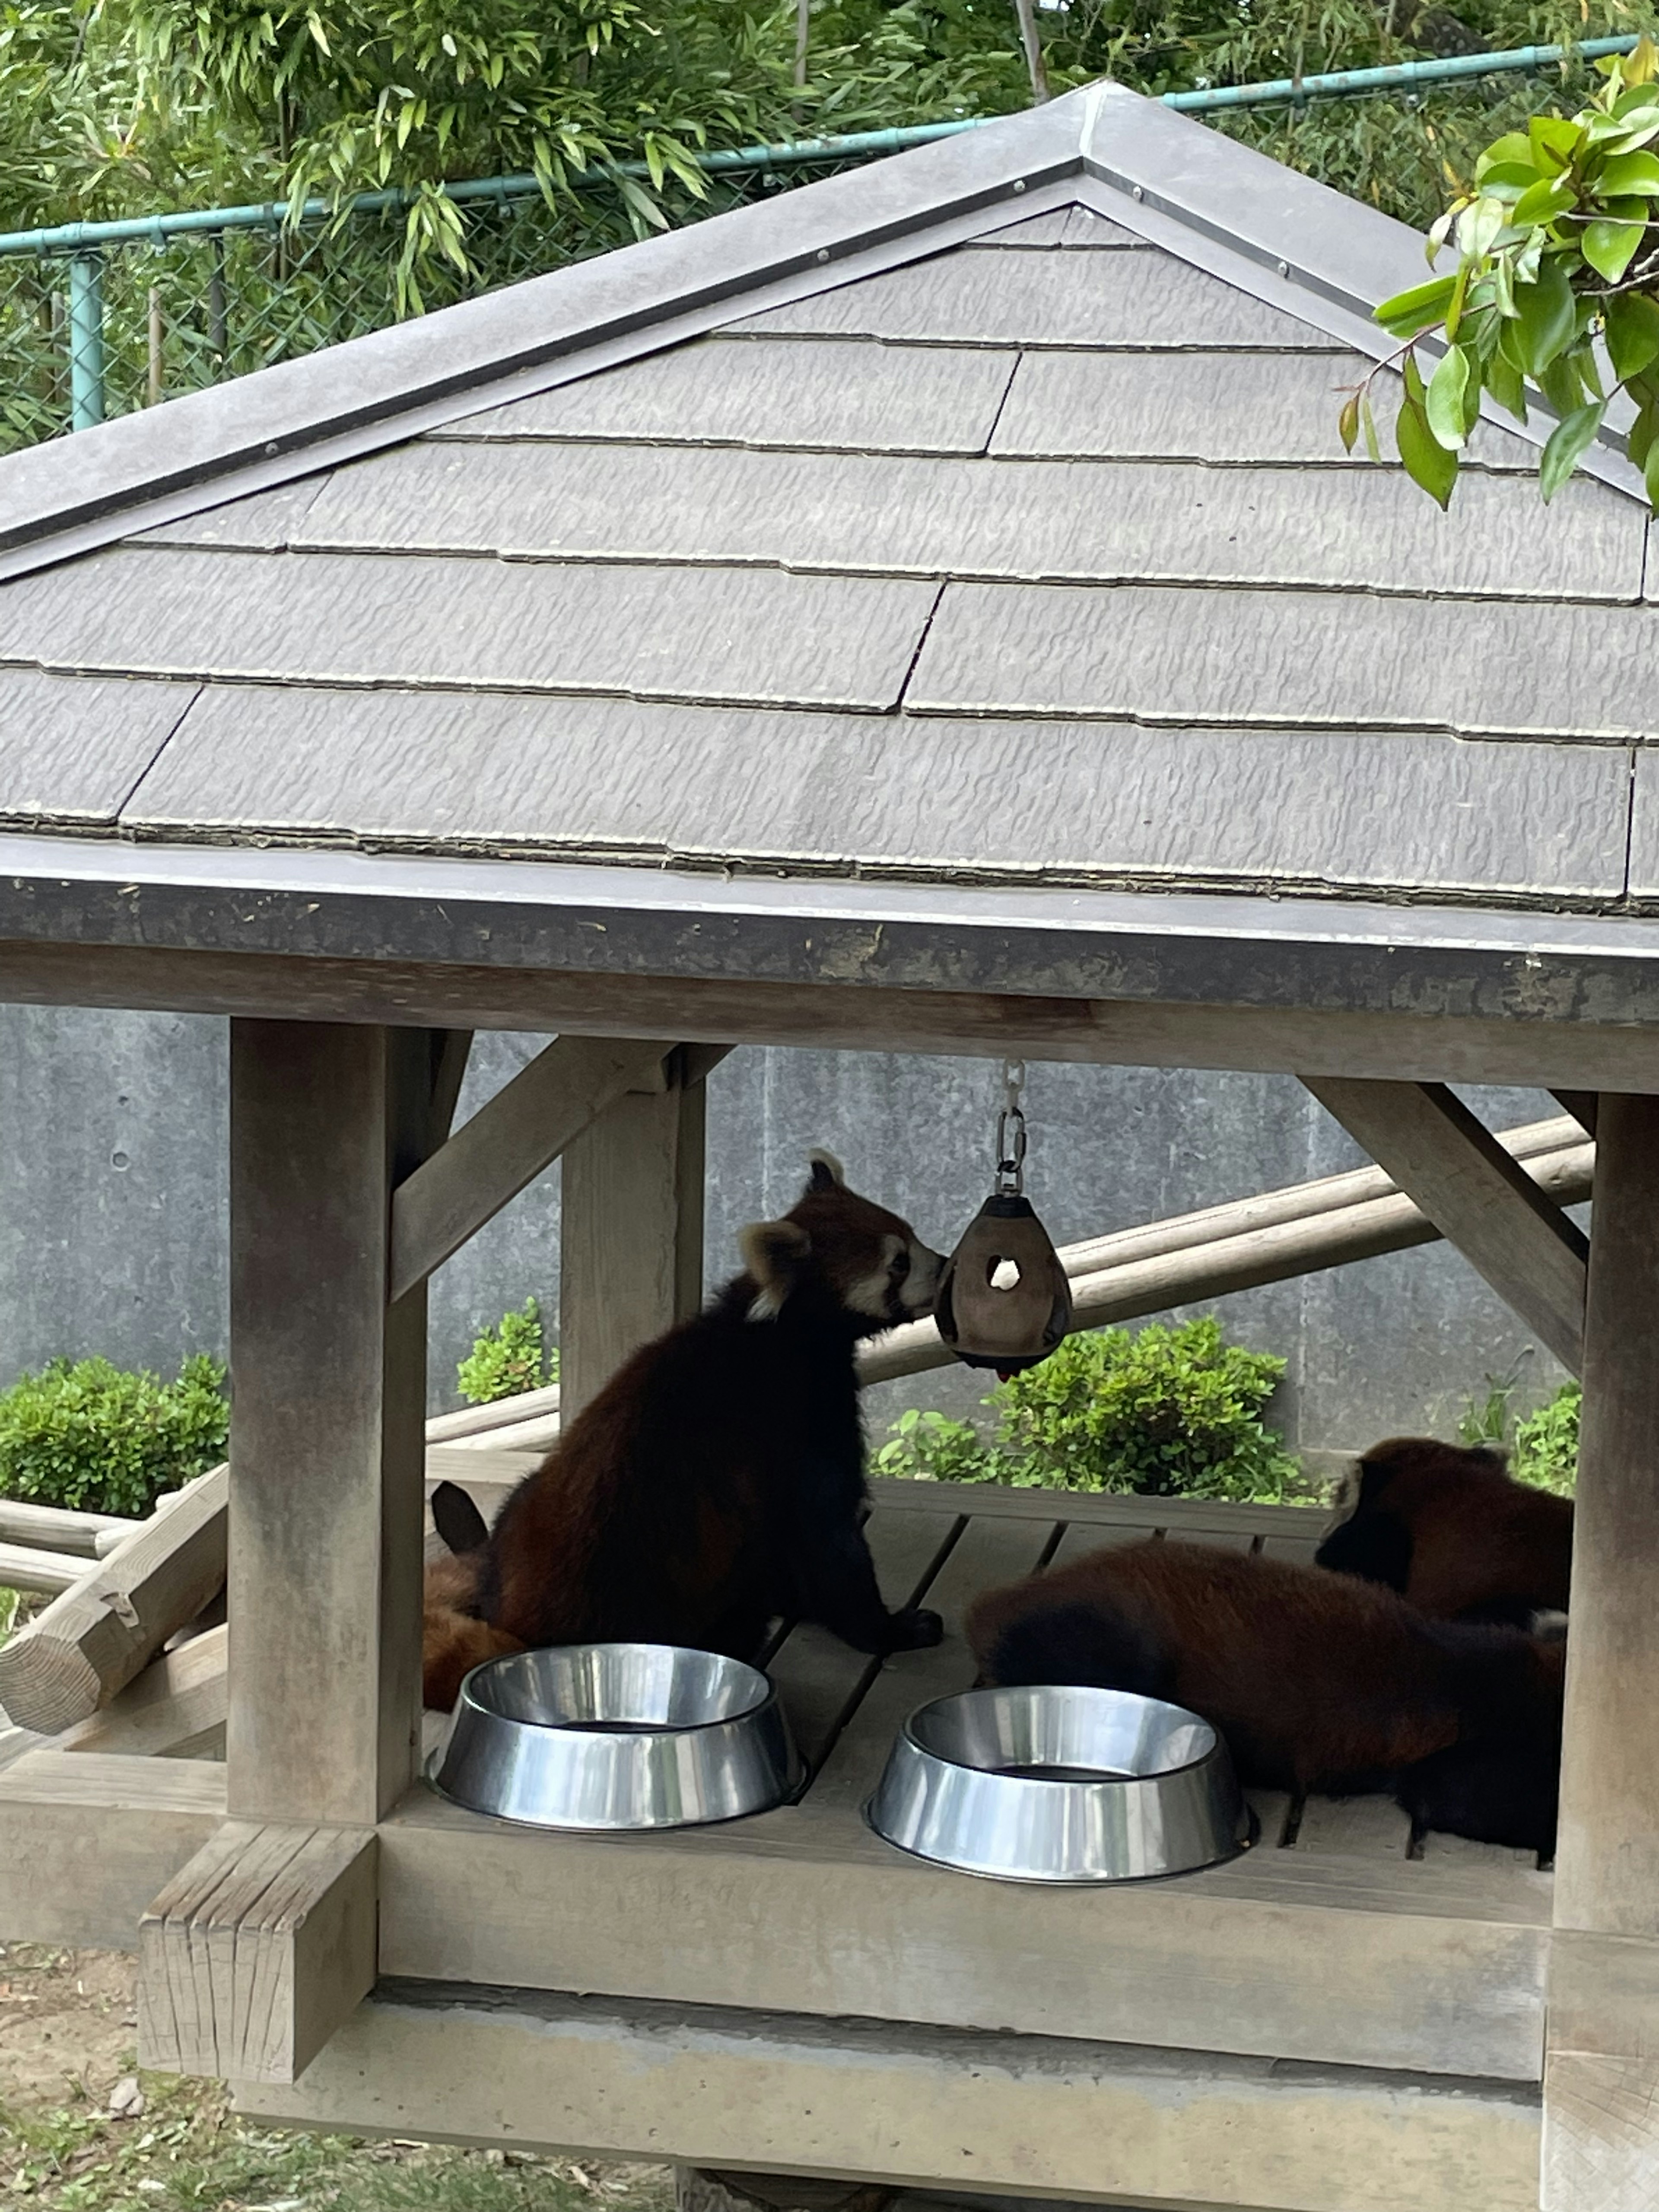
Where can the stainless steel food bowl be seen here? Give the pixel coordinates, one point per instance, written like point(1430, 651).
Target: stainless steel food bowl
point(617, 1736)
point(1050, 1784)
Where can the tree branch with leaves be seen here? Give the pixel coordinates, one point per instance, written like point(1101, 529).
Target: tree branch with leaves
point(1556, 288)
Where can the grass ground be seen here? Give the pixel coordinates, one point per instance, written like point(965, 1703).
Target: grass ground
point(67, 2071)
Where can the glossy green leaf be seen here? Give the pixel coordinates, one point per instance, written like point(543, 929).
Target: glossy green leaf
point(1505, 384)
point(1610, 247)
point(1568, 442)
point(1510, 177)
point(1643, 432)
point(1562, 385)
point(1428, 462)
point(1478, 226)
point(1651, 474)
point(1513, 149)
point(1408, 312)
point(1552, 142)
point(1546, 317)
point(1347, 424)
point(1448, 389)
point(1368, 425)
point(1544, 201)
point(1628, 174)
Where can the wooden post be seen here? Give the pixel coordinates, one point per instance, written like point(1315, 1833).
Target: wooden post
point(1601, 2068)
point(328, 1389)
point(631, 1241)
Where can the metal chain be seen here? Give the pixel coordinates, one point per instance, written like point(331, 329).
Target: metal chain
point(1010, 1133)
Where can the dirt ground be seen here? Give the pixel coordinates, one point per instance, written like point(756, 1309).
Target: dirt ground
point(83, 2130)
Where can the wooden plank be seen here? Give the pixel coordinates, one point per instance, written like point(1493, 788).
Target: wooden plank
point(1372, 1827)
point(1295, 1550)
point(1056, 2118)
point(1476, 1195)
point(326, 1516)
point(1272, 1809)
point(94, 1639)
point(1601, 2081)
point(175, 1709)
point(257, 1952)
point(990, 1501)
point(87, 1840)
point(528, 1123)
point(630, 1230)
point(859, 1017)
point(986, 1552)
point(1078, 1538)
point(1438, 1850)
point(819, 1679)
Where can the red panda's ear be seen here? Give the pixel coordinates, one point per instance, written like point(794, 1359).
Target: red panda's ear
point(827, 1172)
point(773, 1252)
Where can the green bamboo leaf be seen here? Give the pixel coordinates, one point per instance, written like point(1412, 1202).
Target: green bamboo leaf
point(1444, 404)
point(1568, 442)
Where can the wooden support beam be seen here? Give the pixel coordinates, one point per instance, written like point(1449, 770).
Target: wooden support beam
point(1475, 1193)
point(327, 1444)
point(87, 1840)
point(507, 1143)
point(1602, 2078)
point(104, 1630)
point(175, 1709)
point(1581, 1104)
point(257, 1952)
point(1040, 2116)
point(48, 1573)
point(630, 1232)
point(55, 1529)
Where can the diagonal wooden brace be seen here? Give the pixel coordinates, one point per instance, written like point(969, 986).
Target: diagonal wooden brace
point(258, 1951)
point(1477, 1195)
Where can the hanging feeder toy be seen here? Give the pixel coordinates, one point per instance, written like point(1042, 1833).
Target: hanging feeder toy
point(1003, 1301)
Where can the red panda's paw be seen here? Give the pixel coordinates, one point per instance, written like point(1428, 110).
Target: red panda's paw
point(914, 1628)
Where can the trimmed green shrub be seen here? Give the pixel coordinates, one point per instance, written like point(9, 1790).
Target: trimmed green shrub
point(104, 1439)
point(508, 1359)
point(1547, 1443)
point(1164, 1412)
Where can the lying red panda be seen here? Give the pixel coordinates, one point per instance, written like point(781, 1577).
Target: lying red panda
point(715, 1482)
point(1318, 1682)
point(1452, 1531)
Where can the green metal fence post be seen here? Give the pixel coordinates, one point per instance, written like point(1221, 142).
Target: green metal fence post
point(86, 338)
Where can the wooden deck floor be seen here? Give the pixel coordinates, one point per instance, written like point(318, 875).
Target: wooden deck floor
point(1340, 1936)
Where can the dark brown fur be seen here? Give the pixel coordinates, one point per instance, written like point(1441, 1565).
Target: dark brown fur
point(1318, 1682)
point(716, 1482)
point(1449, 1530)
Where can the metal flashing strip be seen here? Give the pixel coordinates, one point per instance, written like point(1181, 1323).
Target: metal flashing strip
point(73, 494)
point(1268, 953)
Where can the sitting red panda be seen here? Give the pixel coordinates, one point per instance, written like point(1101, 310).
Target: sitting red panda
point(1449, 1530)
point(715, 1482)
point(1318, 1682)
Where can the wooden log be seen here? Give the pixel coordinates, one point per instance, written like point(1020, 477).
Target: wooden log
point(325, 1502)
point(506, 1145)
point(1302, 1245)
point(174, 1710)
point(257, 1951)
point(630, 1232)
point(94, 1639)
point(1518, 1239)
point(23, 1568)
point(56, 1528)
point(1602, 2078)
point(476, 1420)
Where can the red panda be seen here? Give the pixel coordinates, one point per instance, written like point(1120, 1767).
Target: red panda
point(1318, 1682)
point(1449, 1530)
point(716, 1482)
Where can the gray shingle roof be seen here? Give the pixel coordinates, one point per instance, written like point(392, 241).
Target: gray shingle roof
point(1030, 554)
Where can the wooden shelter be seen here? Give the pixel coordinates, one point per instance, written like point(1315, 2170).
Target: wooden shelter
point(931, 612)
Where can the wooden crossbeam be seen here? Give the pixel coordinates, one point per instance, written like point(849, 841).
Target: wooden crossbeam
point(94, 1639)
point(1477, 1195)
point(174, 1710)
point(258, 1951)
point(506, 1145)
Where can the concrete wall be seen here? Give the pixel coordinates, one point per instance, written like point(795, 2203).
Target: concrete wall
point(112, 1203)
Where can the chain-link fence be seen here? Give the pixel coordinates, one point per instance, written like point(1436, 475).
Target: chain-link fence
point(98, 319)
